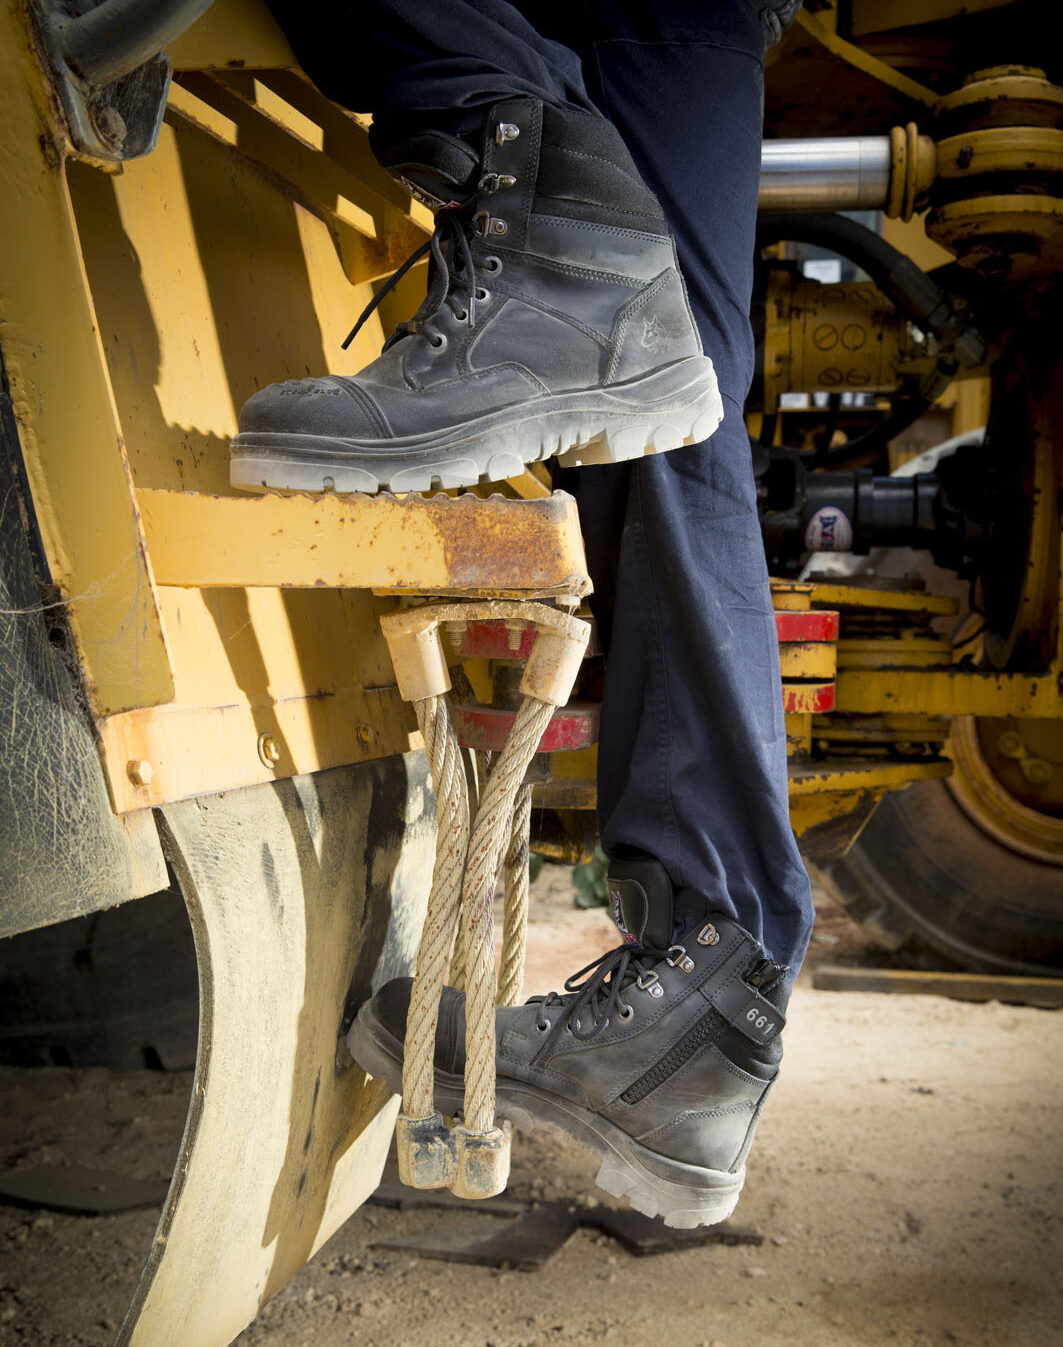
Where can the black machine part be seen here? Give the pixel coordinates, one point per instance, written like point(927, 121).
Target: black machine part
point(941, 512)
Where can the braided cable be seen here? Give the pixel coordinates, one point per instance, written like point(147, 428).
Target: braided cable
point(490, 837)
point(515, 919)
point(452, 839)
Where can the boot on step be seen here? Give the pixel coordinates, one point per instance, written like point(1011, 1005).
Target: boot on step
point(556, 324)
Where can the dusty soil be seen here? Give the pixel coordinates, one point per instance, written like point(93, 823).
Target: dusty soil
point(907, 1182)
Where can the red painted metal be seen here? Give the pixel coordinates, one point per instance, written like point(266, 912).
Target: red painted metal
point(810, 626)
point(814, 697)
point(491, 640)
point(487, 727)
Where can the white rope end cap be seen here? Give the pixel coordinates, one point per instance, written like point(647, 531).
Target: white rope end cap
point(426, 1151)
point(482, 1161)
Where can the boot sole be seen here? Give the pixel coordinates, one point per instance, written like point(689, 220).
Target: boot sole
point(682, 1196)
point(677, 405)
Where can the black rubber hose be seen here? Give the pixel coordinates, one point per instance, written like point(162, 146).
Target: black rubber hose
point(897, 276)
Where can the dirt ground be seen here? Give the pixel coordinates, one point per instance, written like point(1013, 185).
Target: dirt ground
point(907, 1182)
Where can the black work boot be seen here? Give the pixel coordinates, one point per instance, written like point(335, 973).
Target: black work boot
point(659, 1060)
point(556, 323)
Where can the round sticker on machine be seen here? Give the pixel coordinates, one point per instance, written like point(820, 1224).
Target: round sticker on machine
point(828, 530)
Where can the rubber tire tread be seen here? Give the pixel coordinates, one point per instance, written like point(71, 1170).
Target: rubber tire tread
point(117, 989)
point(924, 878)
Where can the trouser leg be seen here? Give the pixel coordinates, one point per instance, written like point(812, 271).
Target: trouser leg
point(692, 759)
point(420, 62)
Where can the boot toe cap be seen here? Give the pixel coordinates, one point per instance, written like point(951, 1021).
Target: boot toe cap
point(391, 1006)
point(329, 406)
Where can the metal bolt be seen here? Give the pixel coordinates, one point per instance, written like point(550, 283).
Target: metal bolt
point(109, 125)
point(1037, 771)
point(140, 771)
point(268, 751)
point(1011, 744)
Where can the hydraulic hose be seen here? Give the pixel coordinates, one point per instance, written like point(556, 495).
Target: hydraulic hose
point(913, 292)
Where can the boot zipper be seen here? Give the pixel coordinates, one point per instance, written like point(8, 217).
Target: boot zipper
point(706, 1031)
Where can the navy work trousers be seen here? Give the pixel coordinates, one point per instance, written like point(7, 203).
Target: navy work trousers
point(692, 758)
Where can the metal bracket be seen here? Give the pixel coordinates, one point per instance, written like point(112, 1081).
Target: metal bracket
point(109, 69)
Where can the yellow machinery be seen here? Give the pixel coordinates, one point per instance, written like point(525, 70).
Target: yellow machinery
point(194, 684)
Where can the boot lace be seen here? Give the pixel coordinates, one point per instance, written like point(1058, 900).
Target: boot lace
point(601, 993)
point(451, 277)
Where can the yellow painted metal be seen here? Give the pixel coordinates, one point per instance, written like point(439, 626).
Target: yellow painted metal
point(828, 594)
point(882, 16)
point(1000, 149)
point(822, 26)
point(808, 659)
point(836, 338)
point(319, 685)
point(962, 224)
point(915, 650)
point(506, 547)
point(947, 692)
point(368, 214)
point(798, 732)
point(791, 596)
point(989, 790)
point(913, 168)
point(232, 33)
point(1007, 95)
point(855, 774)
point(63, 400)
point(899, 732)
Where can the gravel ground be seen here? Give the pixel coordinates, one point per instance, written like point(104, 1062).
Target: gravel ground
point(906, 1181)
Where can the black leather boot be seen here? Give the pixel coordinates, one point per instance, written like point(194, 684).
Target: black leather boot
point(659, 1060)
point(556, 323)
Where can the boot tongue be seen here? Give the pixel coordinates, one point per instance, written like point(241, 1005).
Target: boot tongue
point(641, 897)
point(439, 169)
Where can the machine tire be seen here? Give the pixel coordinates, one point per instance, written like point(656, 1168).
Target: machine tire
point(924, 877)
point(117, 989)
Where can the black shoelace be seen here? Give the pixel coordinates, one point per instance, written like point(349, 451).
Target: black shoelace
point(451, 275)
point(601, 994)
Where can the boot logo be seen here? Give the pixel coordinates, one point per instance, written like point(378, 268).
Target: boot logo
point(616, 906)
point(708, 935)
point(657, 335)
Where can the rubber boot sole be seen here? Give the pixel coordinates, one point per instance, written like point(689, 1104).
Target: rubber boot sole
point(682, 1196)
point(679, 404)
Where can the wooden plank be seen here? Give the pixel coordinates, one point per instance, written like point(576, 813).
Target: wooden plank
point(1045, 993)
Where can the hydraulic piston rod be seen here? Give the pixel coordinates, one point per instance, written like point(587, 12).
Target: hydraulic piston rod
point(843, 173)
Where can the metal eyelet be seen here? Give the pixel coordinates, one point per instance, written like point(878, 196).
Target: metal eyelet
point(682, 959)
point(461, 315)
point(650, 982)
point(506, 131)
point(544, 1027)
point(625, 1012)
point(492, 265)
point(482, 295)
point(437, 342)
point(487, 225)
point(495, 182)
